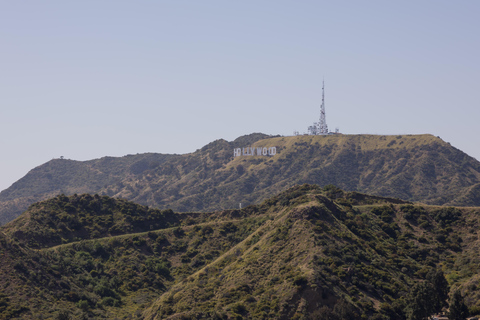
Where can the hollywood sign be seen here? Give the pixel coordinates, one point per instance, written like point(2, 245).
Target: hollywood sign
point(250, 151)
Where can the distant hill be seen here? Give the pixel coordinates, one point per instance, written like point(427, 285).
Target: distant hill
point(306, 253)
point(420, 168)
point(62, 176)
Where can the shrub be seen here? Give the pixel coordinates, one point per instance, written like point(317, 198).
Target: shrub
point(300, 281)
point(411, 212)
point(63, 315)
point(446, 216)
point(83, 305)
point(239, 308)
point(178, 232)
point(207, 230)
point(110, 302)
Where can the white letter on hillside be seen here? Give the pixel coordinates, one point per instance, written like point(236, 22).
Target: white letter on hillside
point(272, 151)
point(259, 151)
point(237, 152)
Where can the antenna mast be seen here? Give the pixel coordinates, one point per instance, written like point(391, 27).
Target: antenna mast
point(323, 128)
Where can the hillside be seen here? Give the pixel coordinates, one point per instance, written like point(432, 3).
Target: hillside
point(69, 177)
point(420, 168)
point(304, 253)
point(91, 265)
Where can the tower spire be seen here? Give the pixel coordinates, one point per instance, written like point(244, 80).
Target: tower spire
point(323, 128)
point(320, 128)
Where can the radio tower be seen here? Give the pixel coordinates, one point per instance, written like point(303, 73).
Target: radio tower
point(323, 128)
point(320, 128)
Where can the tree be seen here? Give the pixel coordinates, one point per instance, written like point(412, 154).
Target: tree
point(324, 313)
point(458, 309)
point(344, 310)
point(421, 302)
point(429, 297)
point(63, 315)
point(440, 289)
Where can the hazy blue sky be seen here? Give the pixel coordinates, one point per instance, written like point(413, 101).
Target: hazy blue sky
point(87, 79)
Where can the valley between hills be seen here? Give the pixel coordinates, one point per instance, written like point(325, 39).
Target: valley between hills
point(332, 227)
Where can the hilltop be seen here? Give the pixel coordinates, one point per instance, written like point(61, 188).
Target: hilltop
point(64, 176)
point(306, 252)
point(420, 168)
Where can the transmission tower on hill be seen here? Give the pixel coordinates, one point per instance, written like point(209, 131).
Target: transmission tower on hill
point(323, 121)
point(320, 128)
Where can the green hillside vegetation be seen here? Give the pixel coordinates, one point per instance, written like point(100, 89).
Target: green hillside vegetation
point(106, 276)
point(420, 168)
point(307, 253)
point(67, 219)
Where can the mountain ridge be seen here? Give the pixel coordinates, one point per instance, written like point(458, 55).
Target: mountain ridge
point(420, 168)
